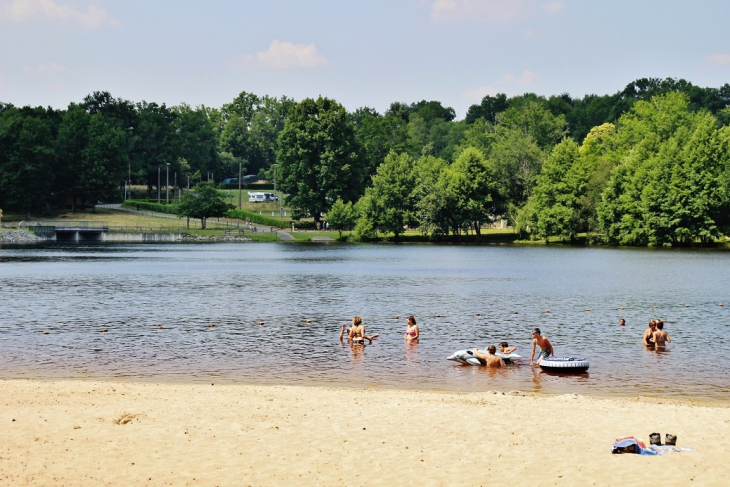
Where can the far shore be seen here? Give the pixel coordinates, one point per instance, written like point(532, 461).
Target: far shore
point(132, 433)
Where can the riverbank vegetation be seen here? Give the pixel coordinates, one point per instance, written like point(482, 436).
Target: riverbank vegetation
point(648, 165)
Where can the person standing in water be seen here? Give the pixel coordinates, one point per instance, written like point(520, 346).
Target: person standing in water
point(649, 335)
point(546, 348)
point(661, 337)
point(356, 333)
point(412, 332)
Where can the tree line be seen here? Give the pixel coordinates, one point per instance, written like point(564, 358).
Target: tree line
point(644, 166)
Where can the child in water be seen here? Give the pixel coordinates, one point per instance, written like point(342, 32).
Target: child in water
point(506, 349)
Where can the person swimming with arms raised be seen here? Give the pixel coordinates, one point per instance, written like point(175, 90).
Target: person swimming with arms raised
point(546, 348)
point(356, 333)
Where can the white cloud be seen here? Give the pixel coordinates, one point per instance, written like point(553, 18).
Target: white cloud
point(533, 34)
point(553, 7)
point(490, 10)
point(719, 59)
point(509, 84)
point(281, 55)
point(527, 77)
point(43, 69)
point(479, 92)
point(92, 17)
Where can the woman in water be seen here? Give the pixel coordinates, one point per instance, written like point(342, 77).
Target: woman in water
point(412, 332)
point(356, 333)
point(649, 335)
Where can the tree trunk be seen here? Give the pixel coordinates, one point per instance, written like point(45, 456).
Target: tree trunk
point(202, 223)
point(188, 223)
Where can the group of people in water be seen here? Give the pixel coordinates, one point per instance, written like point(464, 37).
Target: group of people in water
point(655, 338)
point(356, 334)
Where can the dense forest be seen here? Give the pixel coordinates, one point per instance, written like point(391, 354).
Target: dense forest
point(648, 165)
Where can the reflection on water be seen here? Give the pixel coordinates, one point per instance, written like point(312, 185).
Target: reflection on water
point(483, 295)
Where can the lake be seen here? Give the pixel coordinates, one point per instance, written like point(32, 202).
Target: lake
point(75, 291)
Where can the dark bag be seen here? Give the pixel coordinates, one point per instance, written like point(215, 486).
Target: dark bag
point(671, 440)
point(655, 439)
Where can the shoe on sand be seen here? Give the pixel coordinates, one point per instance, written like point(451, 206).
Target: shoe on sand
point(655, 439)
point(671, 440)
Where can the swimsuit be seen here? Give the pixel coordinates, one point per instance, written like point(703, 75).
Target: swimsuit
point(544, 353)
point(410, 332)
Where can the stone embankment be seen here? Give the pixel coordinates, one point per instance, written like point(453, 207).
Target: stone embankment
point(19, 236)
point(203, 238)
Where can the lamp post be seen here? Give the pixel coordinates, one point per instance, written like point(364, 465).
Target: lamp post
point(167, 185)
point(239, 185)
point(274, 166)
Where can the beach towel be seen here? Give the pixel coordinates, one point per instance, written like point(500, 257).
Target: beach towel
point(630, 444)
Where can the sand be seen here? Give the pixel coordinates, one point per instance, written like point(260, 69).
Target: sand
point(120, 433)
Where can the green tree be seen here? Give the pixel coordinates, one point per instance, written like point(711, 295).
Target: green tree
point(473, 181)
point(553, 210)
point(202, 202)
point(197, 141)
point(103, 162)
point(156, 141)
point(388, 204)
point(341, 216)
point(671, 186)
point(319, 158)
point(27, 157)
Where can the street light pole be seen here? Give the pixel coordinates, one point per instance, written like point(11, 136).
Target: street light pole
point(239, 185)
point(167, 186)
point(274, 166)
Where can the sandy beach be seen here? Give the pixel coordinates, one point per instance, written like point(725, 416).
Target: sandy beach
point(116, 433)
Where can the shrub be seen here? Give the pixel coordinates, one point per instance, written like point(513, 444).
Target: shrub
point(149, 206)
point(256, 218)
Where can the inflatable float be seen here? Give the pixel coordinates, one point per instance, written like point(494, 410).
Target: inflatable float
point(564, 365)
point(467, 356)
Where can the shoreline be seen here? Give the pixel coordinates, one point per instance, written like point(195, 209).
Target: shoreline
point(120, 433)
point(643, 398)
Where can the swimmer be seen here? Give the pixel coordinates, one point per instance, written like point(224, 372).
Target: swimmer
point(622, 322)
point(490, 359)
point(649, 335)
point(356, 333)
point(412, 332)
point(506, 349)
point(661, 337)
point(546, 348)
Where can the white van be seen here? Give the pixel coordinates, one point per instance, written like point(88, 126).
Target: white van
point(257, 197)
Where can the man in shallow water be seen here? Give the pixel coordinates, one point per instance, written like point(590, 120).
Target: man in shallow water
point(546, 348)
point(490, 359)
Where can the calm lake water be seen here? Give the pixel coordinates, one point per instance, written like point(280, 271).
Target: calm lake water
point(73, 292)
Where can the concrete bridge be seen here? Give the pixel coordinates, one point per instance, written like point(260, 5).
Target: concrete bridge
point(68, 231)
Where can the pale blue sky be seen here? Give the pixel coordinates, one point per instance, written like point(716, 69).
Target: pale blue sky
point(369, 52)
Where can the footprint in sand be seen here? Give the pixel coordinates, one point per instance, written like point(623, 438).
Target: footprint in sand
point(125, 418)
